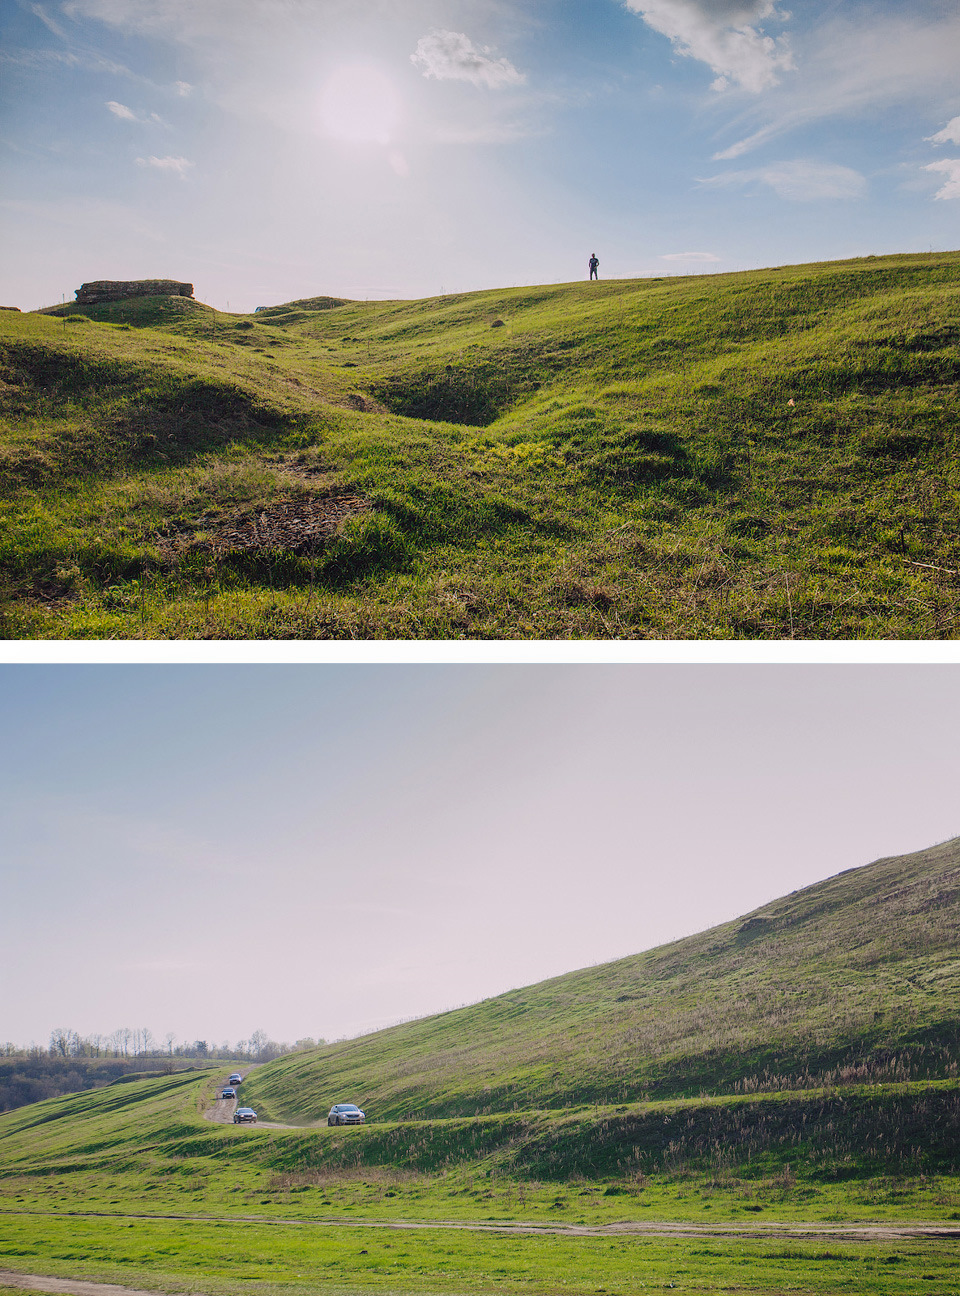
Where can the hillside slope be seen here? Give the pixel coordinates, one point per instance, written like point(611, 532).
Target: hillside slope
point(765, 454)
point(852, 980)
point(154, 1127)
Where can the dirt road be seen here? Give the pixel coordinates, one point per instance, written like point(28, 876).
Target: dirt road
point(809, 1232)
point(221, 1113)
point(71, 1286)
point(862, 1232)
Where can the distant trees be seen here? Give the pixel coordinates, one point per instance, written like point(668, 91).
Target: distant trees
point(143, 1041)
point(140, 1042)
point(72, 1062)
point(64, 1043)
point(120, 1041)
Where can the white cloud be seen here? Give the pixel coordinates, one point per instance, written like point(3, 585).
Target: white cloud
point(39, 12)
point(745, 145)
point(949, 135)
point(452, 56)
point(688, 256)
point(127, 114)
point(178, 165)
point(950, 167)
point(859, 63)
point(725, 35)
point(798, 181)
point(183, 88)
point(43, 58)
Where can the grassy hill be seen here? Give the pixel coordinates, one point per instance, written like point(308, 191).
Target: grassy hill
point(765, 454)
point(855, 980)
point(131, 1185)
point(560, 1135)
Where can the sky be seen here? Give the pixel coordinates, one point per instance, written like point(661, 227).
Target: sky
point(269, 150)
point(320, 850)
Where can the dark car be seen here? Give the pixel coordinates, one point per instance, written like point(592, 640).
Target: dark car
point(228, 1093)
point(345, 1114)
point(244, 1116)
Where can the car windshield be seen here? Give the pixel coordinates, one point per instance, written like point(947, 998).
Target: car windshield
point(348, 1107)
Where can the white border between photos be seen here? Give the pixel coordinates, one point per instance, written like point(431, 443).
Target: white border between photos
point(411, 652)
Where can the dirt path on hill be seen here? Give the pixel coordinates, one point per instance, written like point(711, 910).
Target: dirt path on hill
point(221, 1113)
point(807, 1232)
point(811, 1230)
point(72, 1286)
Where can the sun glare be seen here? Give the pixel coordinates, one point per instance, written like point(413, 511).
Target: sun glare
point(359, 103)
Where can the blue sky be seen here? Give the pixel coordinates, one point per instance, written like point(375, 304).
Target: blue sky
point(273, 149)
point(321, 850)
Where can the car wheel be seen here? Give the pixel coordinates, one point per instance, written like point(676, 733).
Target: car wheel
point(329, 1120)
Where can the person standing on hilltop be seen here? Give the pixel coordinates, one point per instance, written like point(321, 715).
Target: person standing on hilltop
point(593, 263)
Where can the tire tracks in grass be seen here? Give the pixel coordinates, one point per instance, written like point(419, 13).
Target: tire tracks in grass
point(221, 1113)
point(818, 1230)
point(69, 1286)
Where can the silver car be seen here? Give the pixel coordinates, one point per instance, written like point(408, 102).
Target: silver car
point(345, 1114)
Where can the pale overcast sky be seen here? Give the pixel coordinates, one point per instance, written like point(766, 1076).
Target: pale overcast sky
point(321, 850)
point(274, 149)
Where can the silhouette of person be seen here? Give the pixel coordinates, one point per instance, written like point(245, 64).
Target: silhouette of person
point(593, 263)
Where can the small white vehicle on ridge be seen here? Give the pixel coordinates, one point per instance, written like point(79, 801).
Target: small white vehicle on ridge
point(345, 1114)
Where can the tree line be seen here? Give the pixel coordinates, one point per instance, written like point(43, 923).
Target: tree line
point(73, 1062)
point(140, 1042)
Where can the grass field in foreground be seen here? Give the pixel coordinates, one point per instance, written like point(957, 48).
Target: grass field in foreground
point(92, 1185)
point(770, 454)
point(261, 1207)
point(227, 1256)
point(131, 1183)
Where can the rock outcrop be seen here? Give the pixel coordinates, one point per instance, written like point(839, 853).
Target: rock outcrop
point(111, 290)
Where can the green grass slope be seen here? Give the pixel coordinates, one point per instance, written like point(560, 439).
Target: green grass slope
point(566, 1124)
point(852, 981)
point(766, 454)
point(152, 1131)
point(130, 1185)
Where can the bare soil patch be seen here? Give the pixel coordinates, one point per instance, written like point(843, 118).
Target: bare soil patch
point(222, 1109)
point(816, 1230)
point(73, 1286)
point(296, 525)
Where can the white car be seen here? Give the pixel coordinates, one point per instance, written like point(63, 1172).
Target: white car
point(345, 1114)
point(228, 1093)
point(235, 1078)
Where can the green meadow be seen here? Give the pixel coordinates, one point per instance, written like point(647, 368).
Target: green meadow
point(224, 1257)
point(771, 1106)
point(770, 454)
point(140, 1190)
